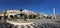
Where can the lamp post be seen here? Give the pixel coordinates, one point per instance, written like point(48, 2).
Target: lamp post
point(21, 14)
point(4, 19)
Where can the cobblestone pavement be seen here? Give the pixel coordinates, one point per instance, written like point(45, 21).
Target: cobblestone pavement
point(39, 23)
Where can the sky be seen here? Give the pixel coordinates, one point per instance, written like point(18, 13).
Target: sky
point(39, 6)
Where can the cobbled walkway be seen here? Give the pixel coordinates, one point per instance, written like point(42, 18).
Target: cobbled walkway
point(39, 23)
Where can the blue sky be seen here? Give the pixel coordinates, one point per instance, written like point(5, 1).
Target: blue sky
point(40, 6)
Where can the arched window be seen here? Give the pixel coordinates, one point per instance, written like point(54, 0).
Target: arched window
point(11, 16)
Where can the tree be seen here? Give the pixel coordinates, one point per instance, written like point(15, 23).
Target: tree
point(0, 17)
point(6, 17)
point(48, 17)
point(30, 16)
point(43, 16)
point(25, 16)
point(34, 16)
point(15, 16)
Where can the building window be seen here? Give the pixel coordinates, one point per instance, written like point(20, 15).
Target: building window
point(11, 16)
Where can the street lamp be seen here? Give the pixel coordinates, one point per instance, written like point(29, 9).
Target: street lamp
point(21, 14)
point(4, 19)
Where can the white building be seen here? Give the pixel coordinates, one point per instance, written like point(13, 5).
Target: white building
point(17, 12)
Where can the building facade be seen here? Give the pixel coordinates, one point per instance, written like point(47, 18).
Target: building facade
point(22, 14)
